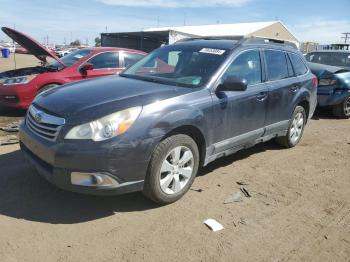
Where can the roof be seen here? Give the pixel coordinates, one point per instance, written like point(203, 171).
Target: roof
point(239, 29)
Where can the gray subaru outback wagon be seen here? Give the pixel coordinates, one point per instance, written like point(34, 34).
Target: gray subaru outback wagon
point(181, 107)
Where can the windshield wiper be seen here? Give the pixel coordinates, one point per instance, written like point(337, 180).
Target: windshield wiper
point(155, 80)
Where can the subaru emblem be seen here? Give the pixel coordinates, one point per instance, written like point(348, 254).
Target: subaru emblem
point(38, 117)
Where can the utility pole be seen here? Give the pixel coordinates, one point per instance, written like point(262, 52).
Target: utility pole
point(346, 37)
point(185, 18)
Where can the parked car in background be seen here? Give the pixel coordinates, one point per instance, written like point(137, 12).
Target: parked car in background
point(21, 50)
point(63, 52)
point(19, 87)
point(332, 69)
point(179, 108)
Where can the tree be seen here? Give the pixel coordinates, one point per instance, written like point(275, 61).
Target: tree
point(75, 43)
point(97, 41)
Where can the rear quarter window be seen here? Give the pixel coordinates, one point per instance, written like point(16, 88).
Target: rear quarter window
point(298, 64)
point(276, 62)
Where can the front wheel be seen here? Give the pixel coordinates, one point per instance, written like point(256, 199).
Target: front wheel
point(295, 129)
point(173, 167)
point(343, 109)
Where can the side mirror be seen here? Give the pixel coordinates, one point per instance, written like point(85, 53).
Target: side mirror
point(86, 67)
point(233, 83)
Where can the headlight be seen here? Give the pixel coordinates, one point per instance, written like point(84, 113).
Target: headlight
point(17, 80)
point(327, 82)
point(106, 127)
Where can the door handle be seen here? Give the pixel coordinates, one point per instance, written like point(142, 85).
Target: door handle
point(261, 96)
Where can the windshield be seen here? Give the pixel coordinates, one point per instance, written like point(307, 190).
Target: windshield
point(329, 58)
point(71, 58)
point(181, 65)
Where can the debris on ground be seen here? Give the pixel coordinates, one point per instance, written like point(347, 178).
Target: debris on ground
point(213, 224)
point(240, 183)
point(242, 221)
point(198, 190)
point(12, 127)
point(234, 198)
point(8, 140)
point(245, 192)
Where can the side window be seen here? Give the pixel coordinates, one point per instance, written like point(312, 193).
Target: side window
point(105, 60)
point(276, 62)
point(290, 67)
point(246, 66)
point(298, 64)
point(131, 58)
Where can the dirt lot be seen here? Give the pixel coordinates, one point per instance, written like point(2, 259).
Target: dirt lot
point(299, 209)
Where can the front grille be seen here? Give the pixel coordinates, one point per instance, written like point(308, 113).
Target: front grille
point(44, 125)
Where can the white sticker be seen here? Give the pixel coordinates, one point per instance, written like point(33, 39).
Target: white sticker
point(212, 51)
point(78, 56)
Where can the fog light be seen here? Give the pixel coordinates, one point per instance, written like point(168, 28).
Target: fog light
point(92, 179)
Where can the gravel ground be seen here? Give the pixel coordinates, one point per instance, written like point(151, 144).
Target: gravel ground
point(299, 209)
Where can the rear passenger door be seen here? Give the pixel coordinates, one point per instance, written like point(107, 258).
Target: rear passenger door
point(129, 58)
point(282, 90)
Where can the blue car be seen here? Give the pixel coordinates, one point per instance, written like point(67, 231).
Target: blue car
point(181, 107)
point(332, 69)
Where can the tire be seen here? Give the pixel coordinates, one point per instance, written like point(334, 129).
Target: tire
point(168, 178)
point(45, 88)
point(295, 129)
point(343, 109)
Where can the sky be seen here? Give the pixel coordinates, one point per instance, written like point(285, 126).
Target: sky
point(321, 21)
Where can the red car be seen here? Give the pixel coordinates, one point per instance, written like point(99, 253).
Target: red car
point(18, 88)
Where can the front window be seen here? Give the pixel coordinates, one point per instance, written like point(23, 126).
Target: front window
point(106, 60)
point(329, 58)
point(246, 66)
point(181, 65)
point(71, 58)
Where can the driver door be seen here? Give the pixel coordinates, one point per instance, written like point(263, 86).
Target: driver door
point(105, 64)
point(240, 115)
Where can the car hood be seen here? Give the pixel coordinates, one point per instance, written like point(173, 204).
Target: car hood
point(33, 47)
point(322, 70)
point(91, 99)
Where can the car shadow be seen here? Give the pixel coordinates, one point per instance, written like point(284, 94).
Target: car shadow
point(8, 112)
point(323, 113)
point(25, 195)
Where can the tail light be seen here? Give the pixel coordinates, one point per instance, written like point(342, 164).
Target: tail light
point(314, 81)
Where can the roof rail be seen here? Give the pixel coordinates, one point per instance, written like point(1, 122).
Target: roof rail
point(245, 40)
point(210, 38)
point(264, 40)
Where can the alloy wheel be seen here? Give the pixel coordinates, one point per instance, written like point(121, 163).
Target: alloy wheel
point(297, 127)
point(176, 170)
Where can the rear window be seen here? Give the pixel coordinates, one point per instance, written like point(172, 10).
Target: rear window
point(131, 58)
point(276, 65)
point(298, 64)
point(341, 59)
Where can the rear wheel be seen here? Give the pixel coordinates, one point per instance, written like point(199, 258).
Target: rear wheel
point(343, 109)
point(173, 167)
point(295, 129)
point(45, 88)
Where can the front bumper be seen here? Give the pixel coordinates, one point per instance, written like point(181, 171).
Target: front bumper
point(56, 161)
point(16, 96)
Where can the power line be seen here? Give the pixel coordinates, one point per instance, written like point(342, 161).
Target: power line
point(345, 37)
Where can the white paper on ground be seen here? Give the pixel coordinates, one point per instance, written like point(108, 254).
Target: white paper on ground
point(213, 224)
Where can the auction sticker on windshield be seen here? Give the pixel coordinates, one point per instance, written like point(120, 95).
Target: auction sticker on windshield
point(212, 51)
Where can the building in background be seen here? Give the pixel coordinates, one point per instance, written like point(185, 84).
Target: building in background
point(152, 38)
